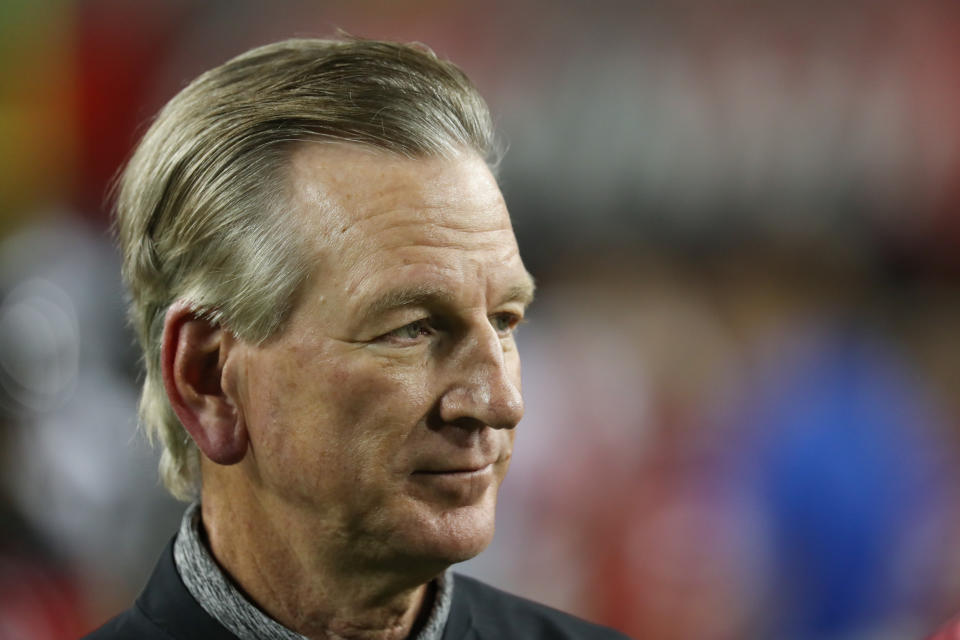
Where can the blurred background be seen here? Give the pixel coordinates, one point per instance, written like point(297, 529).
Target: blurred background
point(742, 368)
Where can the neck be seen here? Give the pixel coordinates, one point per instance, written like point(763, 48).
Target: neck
point(306, 577)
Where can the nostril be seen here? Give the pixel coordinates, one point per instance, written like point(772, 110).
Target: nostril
point(437, 421)
point(467, 424)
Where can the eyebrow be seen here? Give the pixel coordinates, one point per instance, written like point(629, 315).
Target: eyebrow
point(522, 293)
point(423, 295)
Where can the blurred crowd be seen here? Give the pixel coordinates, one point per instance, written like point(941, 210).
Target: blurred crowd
point(741, 369)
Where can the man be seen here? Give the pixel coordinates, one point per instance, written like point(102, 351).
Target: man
point(326, 284)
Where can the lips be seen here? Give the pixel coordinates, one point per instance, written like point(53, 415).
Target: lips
point(455, 469)
point(447, 461)
point(453, 485)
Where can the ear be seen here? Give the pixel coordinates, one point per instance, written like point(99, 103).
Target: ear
point(192, 358)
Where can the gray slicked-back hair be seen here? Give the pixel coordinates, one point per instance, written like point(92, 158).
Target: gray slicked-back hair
point(200, 210)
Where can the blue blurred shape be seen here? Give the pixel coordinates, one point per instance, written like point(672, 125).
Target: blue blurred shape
point(847, 463)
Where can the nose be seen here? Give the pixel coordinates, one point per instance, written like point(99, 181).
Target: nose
point(486, 384)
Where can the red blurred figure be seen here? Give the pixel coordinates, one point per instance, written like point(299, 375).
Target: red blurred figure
point(39, 602)
point(950, 631)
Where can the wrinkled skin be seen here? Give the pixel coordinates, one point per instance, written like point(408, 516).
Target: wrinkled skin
point(378, 425)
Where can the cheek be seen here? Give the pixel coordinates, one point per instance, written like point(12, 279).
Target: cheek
point(349, 414)
point(516, 371)
point(373, 399)
point(353, 411)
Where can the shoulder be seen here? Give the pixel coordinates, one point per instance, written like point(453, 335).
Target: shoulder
point(493, 613)
point(165, 610)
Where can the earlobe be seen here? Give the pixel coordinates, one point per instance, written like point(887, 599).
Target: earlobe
point(193, 355)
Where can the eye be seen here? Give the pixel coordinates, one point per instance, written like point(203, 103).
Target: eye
point(505, 323)
point(409, 334)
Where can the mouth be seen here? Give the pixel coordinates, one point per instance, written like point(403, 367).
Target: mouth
point(463, 471)
point(457, 485)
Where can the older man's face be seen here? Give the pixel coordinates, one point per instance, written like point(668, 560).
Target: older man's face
point(384, 412)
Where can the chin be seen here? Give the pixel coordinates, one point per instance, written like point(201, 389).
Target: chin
point(462, 535)
point(442, 538)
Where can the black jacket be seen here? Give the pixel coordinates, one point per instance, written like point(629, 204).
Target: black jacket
point(166, 611)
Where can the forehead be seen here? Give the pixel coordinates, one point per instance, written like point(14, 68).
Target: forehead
point(367, 212)
point(344, 183)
